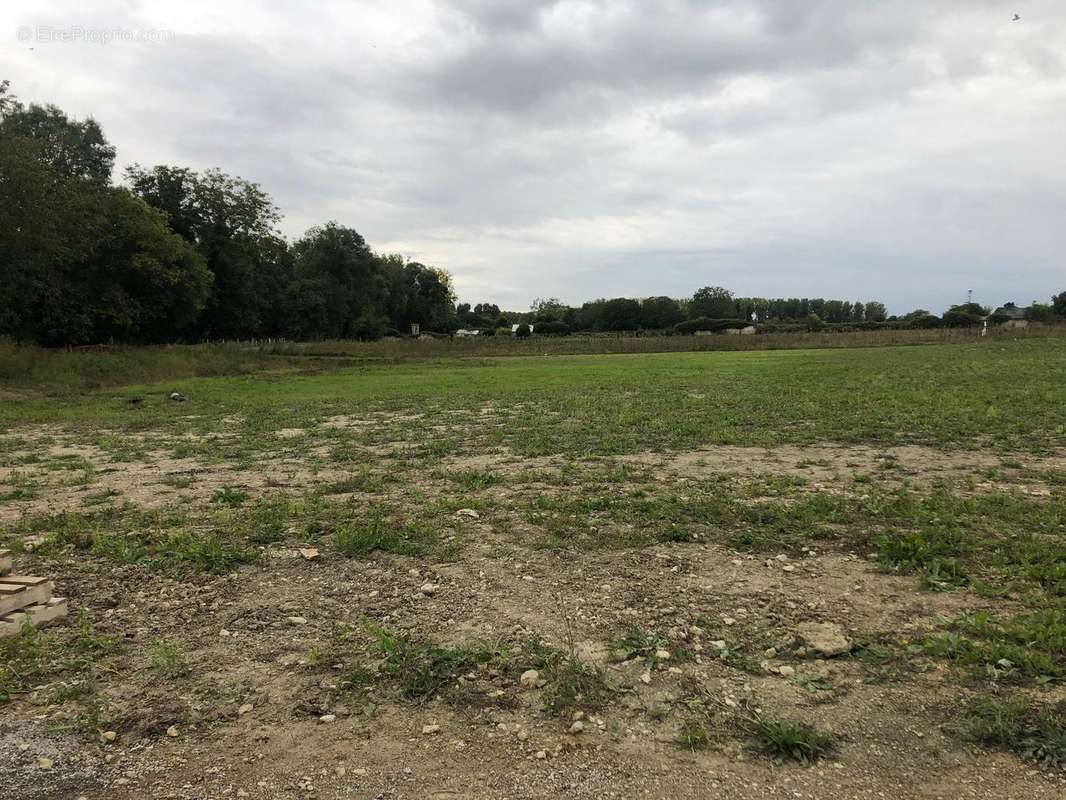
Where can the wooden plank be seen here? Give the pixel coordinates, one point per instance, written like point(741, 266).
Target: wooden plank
point(23, 580)
point(37, 615)
point(14, 596)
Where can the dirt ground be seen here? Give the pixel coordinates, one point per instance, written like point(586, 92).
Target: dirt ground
point(261, 714)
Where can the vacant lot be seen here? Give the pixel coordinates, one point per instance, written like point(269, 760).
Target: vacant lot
point(797, 573)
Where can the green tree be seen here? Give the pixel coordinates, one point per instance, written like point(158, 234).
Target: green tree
point(231, 222)
point(660, 312)
point(68, 148)
point(711, 301)
point(620, 314)
point(1058, 304)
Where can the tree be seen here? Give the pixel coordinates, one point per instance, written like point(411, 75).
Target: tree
point(1058, 304)
point(711, 301)
point(620, 314)
point(660, 312)
point(231, 222)
point(964, 316)
point(876, 312)
point(548, 309)
point(338, 280)
point(68, 148)
point(1040, 312)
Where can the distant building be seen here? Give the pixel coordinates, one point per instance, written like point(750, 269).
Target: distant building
point(464, 332)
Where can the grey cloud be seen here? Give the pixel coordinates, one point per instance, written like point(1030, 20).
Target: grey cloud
point(583, 149)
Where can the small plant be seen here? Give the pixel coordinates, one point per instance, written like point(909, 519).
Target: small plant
point(473, 479)
point(228, 496)
point(790, 741)
point(693, 735)
point(21, 660)
point(419, 668)
point(1032, 732)
point(168, 660)
point(376, 532)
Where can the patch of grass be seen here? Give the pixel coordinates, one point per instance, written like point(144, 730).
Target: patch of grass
point(360, 537)
point(475, 479)
point(228, 496)
point(1032, 731)
point(168, 660)
point(420, 669)
point(693, 735)
point(571, 684)
point(1031, 645)
point(637, 643)
point(184, 551)
point(782, 740)
point(365, 482)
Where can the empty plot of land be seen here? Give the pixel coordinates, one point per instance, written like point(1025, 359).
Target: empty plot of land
point(832, 573)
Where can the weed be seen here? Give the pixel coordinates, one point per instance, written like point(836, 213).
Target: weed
point(228, 496)
point(790, 741)
point(693, 735)
point(421, 669)
point(1032, 731)
point(168, 660)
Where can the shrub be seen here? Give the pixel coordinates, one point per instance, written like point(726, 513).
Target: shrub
point(690, 326)
point(552, 328)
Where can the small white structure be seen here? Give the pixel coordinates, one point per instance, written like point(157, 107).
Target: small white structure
point(747, 330)
point(464, 332)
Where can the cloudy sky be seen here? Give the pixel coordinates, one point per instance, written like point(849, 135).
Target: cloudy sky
point(906, 151)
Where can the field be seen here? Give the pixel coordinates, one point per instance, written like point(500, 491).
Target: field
point(827, 573)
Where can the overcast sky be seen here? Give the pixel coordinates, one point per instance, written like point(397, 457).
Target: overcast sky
point(903, 151)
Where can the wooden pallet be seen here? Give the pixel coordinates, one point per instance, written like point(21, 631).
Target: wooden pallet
point(25, 598)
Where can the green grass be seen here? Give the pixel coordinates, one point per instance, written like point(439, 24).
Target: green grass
point(973, 394)
point(782, 740)
point(1032, 731)
point(421, 669)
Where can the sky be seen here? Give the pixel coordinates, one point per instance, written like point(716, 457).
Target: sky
point(905, 152)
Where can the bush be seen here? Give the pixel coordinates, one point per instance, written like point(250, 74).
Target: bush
point(690, 326)
point(523, 331)
point(552, 328)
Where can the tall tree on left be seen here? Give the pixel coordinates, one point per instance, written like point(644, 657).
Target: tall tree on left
point(80, 260)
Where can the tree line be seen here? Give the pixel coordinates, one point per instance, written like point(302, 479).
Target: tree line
point(177, 255)
point(172, 254)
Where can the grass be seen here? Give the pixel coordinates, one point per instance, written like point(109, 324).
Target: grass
point(782, 740)
point(1014, 723)
point(418, 668)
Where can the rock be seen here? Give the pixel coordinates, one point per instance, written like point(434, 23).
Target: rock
point(662, 655)
point(178, 397)
point(467, 512)
point(245, 709)
point(645, 678)
point(577, 727)
point(108, 736)
point(309, 553)
point(540, 755)
point(770, 652)
point(173, 731)
point(523, 735)
point(824, 638)
point(786, 671)
point(44, 763)
point(296, 620)
point(326, 719)
point(429, 730)
point(428, 588)
point(530, 679)
point(719, 644)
